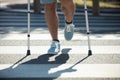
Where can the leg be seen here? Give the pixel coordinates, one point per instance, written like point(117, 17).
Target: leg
point(52, 22)
point(68, 8)
point(52, 19)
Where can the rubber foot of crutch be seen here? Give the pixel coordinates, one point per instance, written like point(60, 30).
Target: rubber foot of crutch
point(89, 52)
point(28, 52)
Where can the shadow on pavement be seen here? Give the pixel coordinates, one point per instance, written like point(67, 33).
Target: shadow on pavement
point(40, 68)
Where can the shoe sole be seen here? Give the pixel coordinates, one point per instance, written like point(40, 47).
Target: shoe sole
point(53, 53)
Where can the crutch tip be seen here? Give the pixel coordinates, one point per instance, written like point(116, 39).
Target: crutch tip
point(89, 53)
point(28, 52)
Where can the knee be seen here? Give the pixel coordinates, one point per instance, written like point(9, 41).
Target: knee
point(70, 5)
point(50, 7)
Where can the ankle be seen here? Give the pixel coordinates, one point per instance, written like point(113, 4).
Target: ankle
point(56, 40)
point(68, 22)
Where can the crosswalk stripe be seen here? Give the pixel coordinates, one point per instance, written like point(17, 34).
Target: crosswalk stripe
point(63, 42)
point(61, 37)
point(60, 70)
point(18, 30)
point(74, 49)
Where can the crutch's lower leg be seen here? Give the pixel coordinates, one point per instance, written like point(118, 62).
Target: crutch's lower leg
point(28, 35)
point(87, 28)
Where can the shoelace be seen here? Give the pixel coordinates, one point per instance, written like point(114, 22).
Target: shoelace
point(53, 44)
point(68, 29)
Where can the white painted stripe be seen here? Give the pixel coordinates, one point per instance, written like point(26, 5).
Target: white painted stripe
point(63, 71)
point(3, 5)
point(61, 37)
point(74, 49)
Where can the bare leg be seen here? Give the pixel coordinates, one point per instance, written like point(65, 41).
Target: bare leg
point(68, 8)
point(52, 19)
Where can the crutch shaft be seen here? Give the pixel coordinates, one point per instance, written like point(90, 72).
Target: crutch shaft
point(87, 28)
point(28, 31)
point(28, 35)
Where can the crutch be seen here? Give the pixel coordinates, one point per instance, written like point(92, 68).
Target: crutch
point(87, 28)
point(28, 23)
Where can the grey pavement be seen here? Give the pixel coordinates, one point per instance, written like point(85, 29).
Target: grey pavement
point(72, 63)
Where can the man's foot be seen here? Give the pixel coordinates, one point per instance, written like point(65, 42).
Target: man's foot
point(54, 48)
point(69, 31)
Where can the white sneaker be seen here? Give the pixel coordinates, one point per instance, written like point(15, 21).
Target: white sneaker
point(55, 48)
point(69, 31)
